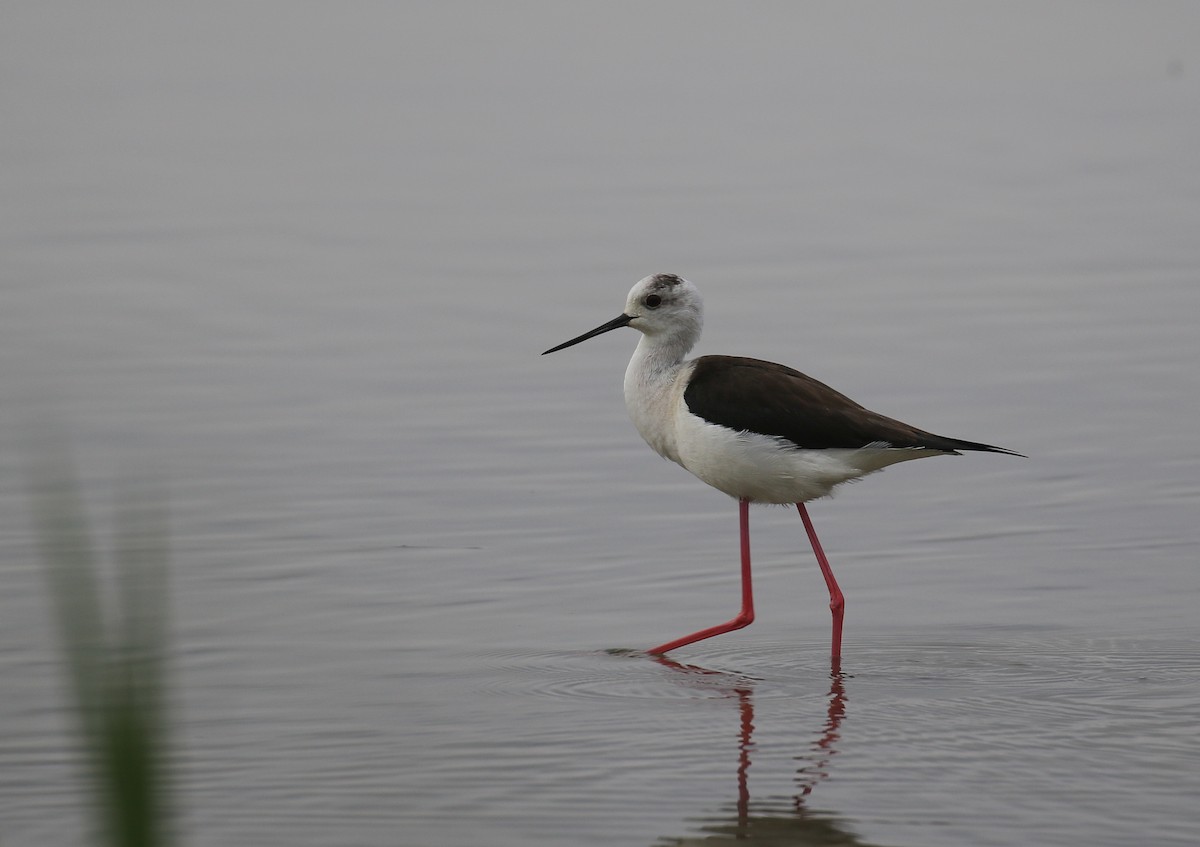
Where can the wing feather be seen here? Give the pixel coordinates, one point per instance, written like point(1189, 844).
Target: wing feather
point(752, 395)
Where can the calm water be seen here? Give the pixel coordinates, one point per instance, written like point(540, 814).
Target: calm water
point(299, 262)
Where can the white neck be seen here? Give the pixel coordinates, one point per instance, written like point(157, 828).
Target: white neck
point(650, 387)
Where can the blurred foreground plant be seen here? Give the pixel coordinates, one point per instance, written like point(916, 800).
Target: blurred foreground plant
point(114, 660)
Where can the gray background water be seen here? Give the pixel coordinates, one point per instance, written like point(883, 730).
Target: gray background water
point(298, 261)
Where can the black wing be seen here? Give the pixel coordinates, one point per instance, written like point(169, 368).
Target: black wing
point(764, 397)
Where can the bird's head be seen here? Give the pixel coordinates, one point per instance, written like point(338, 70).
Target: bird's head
point(663, 307)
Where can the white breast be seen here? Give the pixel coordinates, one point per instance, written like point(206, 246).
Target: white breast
point(652, 394)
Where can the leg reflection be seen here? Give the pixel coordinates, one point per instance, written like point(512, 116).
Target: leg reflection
point(824, 748)
point(766, 820)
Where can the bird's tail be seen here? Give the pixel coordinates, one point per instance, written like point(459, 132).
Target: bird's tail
point(956, 444)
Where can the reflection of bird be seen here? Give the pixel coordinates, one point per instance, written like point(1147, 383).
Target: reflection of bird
point(771, 831)
point(758, 431)
point(766, 824)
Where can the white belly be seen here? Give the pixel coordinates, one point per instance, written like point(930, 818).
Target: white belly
point(766, 469)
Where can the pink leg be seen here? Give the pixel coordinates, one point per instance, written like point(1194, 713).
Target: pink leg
point(837, 605)
point(746, 616)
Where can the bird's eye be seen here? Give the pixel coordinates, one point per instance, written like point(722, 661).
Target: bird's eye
point(652, 301)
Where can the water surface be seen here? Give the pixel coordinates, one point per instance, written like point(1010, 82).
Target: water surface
point(298, 262)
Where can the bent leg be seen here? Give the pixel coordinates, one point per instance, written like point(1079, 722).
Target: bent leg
point(746, 616)
point(837, 603)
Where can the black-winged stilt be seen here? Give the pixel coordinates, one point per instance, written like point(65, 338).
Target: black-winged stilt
point(758, 431)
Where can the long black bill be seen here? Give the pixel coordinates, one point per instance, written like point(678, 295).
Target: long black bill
point(615, 323)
